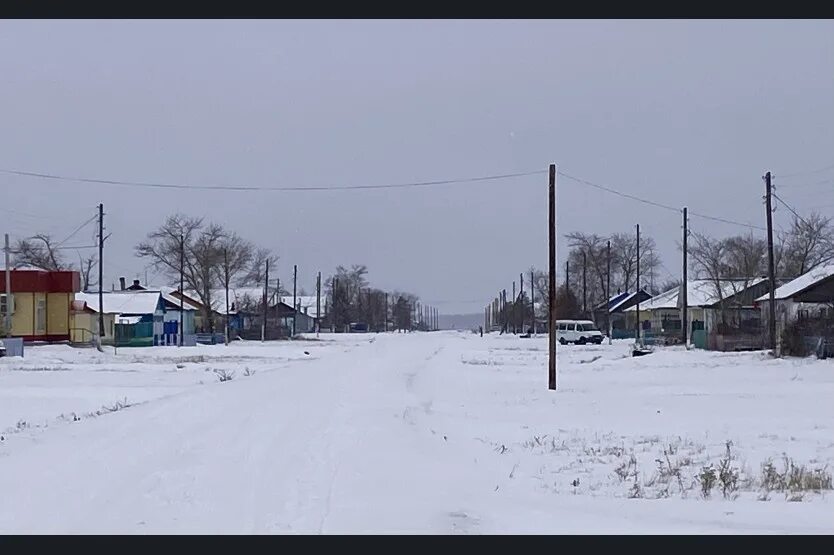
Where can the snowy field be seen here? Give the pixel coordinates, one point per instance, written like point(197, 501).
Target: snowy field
point(420, 433)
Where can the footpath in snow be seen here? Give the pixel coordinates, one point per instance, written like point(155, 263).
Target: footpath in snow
point(427, 432)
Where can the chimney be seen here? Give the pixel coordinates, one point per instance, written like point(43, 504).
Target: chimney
point(122, 283)
point(136, 283)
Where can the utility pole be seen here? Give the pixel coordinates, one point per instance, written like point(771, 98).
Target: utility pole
point(512, 310)
point(637, 285)
point(7, 323)
point(101, 276)
point(505, 311)
point(182, 288)
point(294, 302)
point(567, 276)
point(318, 304)
point(608, 291)
point(551, 229)
point(334, 284)
point(770, 269)
point(532, 300)
point(521, 299)
point(684, 286)
point(266, 300)
point(584, 275)
point(386, 313)
point(226, 275)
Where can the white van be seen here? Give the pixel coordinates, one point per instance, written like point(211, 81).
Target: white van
point(577, 331)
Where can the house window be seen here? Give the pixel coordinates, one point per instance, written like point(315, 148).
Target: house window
point(803, 314)
point(40, 317)
point(4, 300)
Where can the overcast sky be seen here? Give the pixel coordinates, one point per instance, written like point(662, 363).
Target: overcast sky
point(684, 112)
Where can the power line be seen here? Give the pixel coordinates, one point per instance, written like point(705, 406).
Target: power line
point(285, 189)
point(79, 228)
point(786, 205)
point(614, 191)
point(657, 204)
point(810, 172)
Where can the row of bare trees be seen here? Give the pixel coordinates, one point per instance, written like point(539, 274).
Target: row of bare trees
point(351, 299)
point(808, 243)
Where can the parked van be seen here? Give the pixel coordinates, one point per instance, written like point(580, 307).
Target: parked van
point(577, 331)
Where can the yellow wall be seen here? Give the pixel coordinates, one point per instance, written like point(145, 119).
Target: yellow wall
point(23, 319)
point(57, 313)
point(82, 321)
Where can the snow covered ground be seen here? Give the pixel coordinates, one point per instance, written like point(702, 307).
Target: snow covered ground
point(426, 433)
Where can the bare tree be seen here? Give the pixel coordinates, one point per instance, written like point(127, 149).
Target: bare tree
point(810, 243)
point(708, 259)
point(745, 257)
point(237, 257)
point(596, 261)
point(255, 275)
point(624, 259)
point(39, 251)
point(86, 266)
point(201, 255)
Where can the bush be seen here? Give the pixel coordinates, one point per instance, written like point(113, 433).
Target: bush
point(707, 479)
point(223, 375)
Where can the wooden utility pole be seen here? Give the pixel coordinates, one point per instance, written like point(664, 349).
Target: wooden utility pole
point(512, 310)
point(386, 312)
point(771, 273)
point(637, 285)
point(101, 276)
point(294, 301)
point(7, 322)
point(318, 304)
point(521, 299)
point(370, 312)
point(584, 284)
point(608, 291)
point(182, 289)
point(567, 276)
point(334, 284)
point(266, 300)
point(532, 299)
point(551, 229)
point(226, 283)
point(684, 286)
point(505, 312)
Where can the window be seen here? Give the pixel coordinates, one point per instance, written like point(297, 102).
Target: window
point(4, 299)
point(588, 327)
point(40, 317)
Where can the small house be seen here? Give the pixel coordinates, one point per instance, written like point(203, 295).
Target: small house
point(40, 303)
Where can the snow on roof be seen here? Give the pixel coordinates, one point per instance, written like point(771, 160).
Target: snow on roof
point(626, 297)
point(702, 292)
point(175, 301)
point(668, 299)
point(801, 283)
point(122, 302)
point(612, 301)
point(699, 292)
point(307, 302)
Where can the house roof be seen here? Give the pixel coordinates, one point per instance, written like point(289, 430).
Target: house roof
point(307, 302)
point(122, 302)
point(611, 301)
point(699, 293)
point(629, 299)
point(802, 283)
point(702, 292)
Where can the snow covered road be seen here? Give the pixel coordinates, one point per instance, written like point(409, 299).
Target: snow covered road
point(426, 433)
